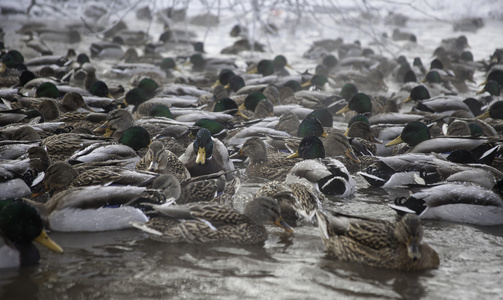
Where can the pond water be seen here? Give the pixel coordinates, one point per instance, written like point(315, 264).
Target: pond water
point(127, 265)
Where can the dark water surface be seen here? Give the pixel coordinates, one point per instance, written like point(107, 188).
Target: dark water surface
point(127, 265)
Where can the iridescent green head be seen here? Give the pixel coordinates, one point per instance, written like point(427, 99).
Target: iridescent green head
point(236, 83)
point(433, 77)
point(412, 134)
point(418, 93)
point(311, 147)
point(330, 61)
point(99, 89)
point(213, 126)
point(149, 87)
point(203, 146)
point(253, 99)
point(47, 89)
point(160, 111)
point(135, 137)
point(311, 126)
point(225, 76)
point(265, 67)
point(135, 96)
point(348, 91)
point(294, 85)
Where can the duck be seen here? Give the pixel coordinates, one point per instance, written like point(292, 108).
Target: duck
point(62, 146)
point(160, 160)
point(205, 188)
point(459, 202)
point(206, 155)
point(276, 167)
point(20, 224)
point(298, 201)
point(377, 243)
point(360, 103)
point(19, 173)
point(61, 176)
point(97, 208)
point(210, 223)
point(418, 139)
point(327, 175)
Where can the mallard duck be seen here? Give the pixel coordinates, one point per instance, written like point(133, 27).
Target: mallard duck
point(61, 176)
point(61, 146)
point(19, 173)
point(97, 207)
point(495, 111)
point(206, 155)
point(120, 120)
point(209, 223)
point(298, 201)
point(327, 175)
point(360, 103)
point(417, 136)
point(20, 224)
point(359, 127)
point(337, 145)
point(162, 161)
point(206, 188)
point(276, 167)
point(377, 243)
point(455, 202)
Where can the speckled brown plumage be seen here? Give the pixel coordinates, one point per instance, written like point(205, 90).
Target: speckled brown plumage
point(260, 165)
point(210, 223)
point(378, 243)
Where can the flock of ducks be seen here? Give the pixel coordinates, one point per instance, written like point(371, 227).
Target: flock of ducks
point(162, 152)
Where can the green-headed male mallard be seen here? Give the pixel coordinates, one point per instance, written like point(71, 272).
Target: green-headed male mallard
point(20, 224)
point(206, 155)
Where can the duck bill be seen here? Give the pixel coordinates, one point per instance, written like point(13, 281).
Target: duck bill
point(346, 132)
point(41, 192)
point(396, 141)
point(407, 100)
point(3, 67)
point(44, 240)
point(201, 156)
point(483, 83)
point(343, 110)
point(324, 134)
point(484, 115)
point(242, 115)
point(242, 107)
point(480, 92)
point(253, 71)
point(352, 156)
point(125, 103)
point(375, 140)
point(413, 250)
point(306, 84)
point(217, 83)
point(281, 223)
point(108, 132)
point(153, 166)
point(227, 86)
point(293, 155)
point(289, 66)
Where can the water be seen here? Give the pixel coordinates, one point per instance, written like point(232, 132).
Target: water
point(127, 265)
